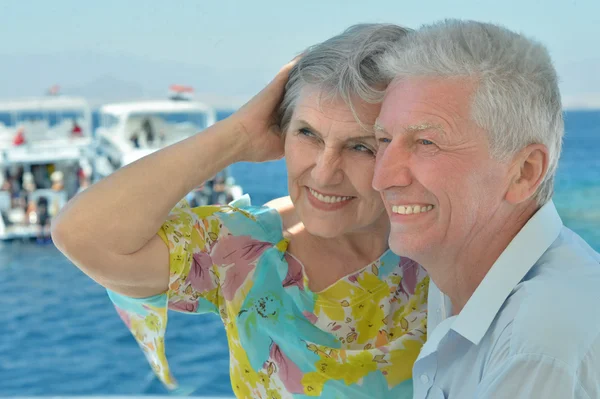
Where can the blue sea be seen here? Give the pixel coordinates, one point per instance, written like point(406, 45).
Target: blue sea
point(60, 335)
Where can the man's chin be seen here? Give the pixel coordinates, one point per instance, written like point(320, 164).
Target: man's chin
point(407, 245)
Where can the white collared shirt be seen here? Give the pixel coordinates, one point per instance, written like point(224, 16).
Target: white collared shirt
point(530, 330)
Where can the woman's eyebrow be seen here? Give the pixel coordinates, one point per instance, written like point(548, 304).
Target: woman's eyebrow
point(303, 122)
point(369, 137)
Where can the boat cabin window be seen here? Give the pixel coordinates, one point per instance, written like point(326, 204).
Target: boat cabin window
point(148, 130)
point(27, 116)
point(6, 119)
point(47, 125)
point(108, 121)
point(197, 119)
point(64, 117)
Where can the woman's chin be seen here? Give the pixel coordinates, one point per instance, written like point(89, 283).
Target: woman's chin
point(323, 230)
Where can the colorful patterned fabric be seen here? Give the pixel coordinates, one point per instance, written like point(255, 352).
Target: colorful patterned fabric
point(357, 338)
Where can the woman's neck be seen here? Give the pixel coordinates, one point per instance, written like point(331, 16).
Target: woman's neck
point(326, 260)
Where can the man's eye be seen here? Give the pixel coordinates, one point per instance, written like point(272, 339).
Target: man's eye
point(384, 140)
point(425, 142)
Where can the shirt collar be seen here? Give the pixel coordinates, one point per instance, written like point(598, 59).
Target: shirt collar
point(509, 269)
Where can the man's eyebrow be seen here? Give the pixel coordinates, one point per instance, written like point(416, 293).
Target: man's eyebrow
point(420, 127)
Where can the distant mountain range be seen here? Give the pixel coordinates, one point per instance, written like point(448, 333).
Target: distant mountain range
point(108, 88)
point(106, 78)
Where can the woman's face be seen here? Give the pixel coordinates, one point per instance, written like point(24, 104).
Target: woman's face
point(330, 161)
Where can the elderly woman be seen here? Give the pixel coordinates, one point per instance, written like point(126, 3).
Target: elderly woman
point(313, 301)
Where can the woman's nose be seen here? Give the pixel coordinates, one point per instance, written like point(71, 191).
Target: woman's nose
point(328, 168)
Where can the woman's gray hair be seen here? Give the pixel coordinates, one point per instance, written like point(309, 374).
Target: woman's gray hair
point(343, 66)
point(517, 100)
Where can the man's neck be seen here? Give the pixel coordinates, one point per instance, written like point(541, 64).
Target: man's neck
point(469, 264)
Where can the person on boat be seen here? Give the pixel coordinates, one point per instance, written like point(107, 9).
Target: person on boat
point(84, 175)
point(218, 191)
point(60, 197)
point(29, 188)
point(135, 140)
point(76, 131)
point(43, 220)
point(313, 301)
point(4, 180)
point(4, 197)
point(148, 131)
point(19, 138)
point(16, 185)
point(57, 179)
point(28, 182)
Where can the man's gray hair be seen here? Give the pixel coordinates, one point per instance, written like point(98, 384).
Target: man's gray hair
point(517, 100)
point(343, 66)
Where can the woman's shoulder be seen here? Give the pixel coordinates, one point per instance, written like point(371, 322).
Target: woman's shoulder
point(285, 208)
point(209, 222)
point(241, 217)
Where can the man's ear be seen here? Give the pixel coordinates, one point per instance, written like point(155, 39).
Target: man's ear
point(530, 166)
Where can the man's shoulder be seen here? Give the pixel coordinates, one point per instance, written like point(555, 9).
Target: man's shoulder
point(572, 250)
point(554, 310)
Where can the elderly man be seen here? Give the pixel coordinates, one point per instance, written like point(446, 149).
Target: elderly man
point(470, 136)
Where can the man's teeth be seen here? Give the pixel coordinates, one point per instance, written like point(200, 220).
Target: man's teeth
point(326, 198)
point(410, 209)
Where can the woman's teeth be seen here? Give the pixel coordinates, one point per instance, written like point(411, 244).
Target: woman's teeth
point(326, 198)
point(411, 209)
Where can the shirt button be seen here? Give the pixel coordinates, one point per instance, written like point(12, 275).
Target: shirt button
point(424, 378)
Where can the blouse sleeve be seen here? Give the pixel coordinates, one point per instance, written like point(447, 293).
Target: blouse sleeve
point(194, 287)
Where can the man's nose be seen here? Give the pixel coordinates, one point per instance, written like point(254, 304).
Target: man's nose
point(392, 169)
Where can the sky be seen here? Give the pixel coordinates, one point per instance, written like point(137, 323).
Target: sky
point(233, 47)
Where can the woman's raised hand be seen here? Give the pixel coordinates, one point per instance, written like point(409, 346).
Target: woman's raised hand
point(257, 123)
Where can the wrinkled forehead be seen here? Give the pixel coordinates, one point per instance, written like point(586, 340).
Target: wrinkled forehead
point(426, 101)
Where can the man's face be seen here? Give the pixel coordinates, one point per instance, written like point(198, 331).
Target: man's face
point(434, 170)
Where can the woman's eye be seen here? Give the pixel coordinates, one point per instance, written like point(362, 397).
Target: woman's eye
point(362, 148)
point(306, 132)
point(425, 142)
point(383, 140)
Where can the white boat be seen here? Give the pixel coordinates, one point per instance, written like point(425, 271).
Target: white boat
point(130, 131)
point(45, 150)
point(45, 128)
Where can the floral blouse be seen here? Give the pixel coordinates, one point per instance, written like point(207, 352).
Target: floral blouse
point(357, 338)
